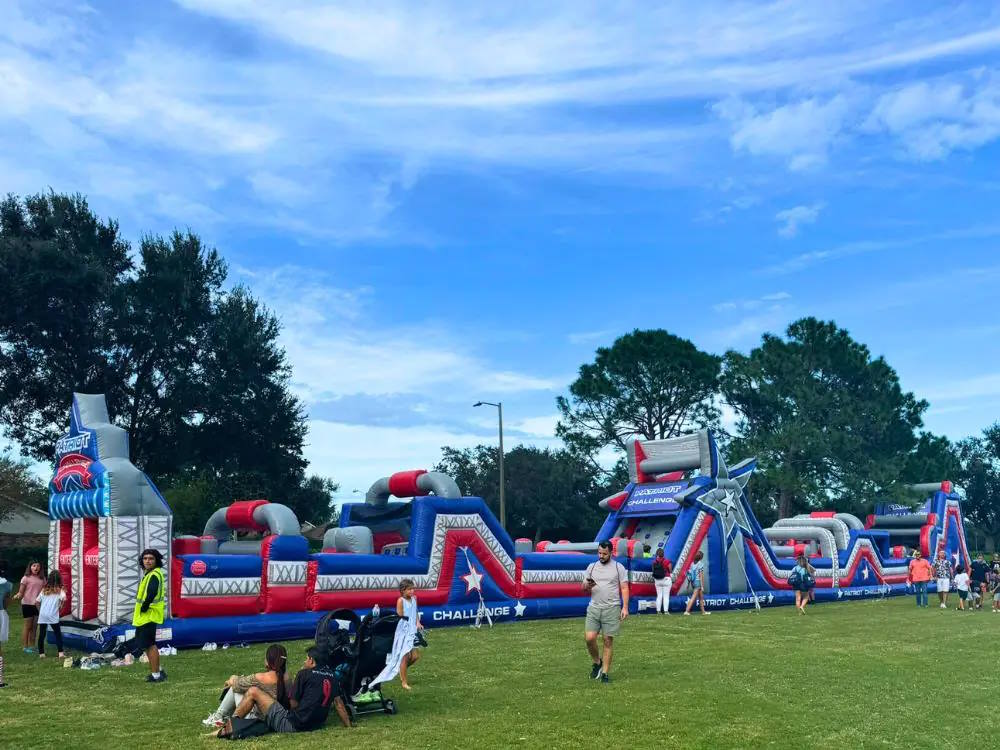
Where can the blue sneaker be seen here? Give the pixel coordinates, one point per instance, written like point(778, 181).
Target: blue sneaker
point(29, 650)
point(604, 678)
point(595, 671)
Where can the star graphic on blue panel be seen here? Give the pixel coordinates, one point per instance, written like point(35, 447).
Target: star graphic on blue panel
point(864, 572)
point(519, 609)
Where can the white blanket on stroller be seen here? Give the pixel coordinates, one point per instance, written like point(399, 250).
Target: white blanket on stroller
point(402, 642)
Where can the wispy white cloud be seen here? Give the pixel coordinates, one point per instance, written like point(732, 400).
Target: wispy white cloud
point(766, 300)
point(812, 258)
point(933, 118)
point(800, 132)
point(793, 219)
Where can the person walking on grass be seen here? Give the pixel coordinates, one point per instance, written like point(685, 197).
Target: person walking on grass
point(607, 583)
point(50, 601)
point(31, 586)
point(662, 580)
point(803, 582)
point(962, 582)
point(696, 579)
point(148, 612)
point(943, 573)
point(980, 571)
point(995, 591)
point(920, 572)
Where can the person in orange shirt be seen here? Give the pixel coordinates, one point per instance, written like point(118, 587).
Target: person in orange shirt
point(920, 572)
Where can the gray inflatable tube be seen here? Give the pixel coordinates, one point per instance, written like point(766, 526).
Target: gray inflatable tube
point(837, 528)
point(852, 521)
point(431, 482)
point(908, 521)
point(276, 518)
point(827, 544)
point(572, 547)
point(355, 539)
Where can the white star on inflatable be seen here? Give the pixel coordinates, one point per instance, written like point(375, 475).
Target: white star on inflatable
point(732, 514)
point(473, 580)
point(864, 573)
point(519, 609)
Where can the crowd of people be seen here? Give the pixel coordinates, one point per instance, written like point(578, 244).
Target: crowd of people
point(266, 701)
point(973, 587)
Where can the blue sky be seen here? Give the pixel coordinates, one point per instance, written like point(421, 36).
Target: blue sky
point(453, 202)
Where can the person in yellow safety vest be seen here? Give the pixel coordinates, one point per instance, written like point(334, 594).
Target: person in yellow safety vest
point(149, 608)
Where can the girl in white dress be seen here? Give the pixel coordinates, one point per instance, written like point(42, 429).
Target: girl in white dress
point(405, 652)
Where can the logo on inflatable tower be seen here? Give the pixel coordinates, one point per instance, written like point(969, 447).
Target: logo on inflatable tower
point(73, 472)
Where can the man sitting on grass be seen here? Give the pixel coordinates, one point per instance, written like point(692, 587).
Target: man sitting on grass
point(314, 689)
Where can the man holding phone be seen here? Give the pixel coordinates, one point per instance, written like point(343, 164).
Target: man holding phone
point(607, 582)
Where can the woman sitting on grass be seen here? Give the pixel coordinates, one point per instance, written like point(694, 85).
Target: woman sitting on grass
point(274, 682)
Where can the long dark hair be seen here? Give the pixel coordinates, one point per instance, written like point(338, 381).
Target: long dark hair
point(277, 660)
point(41, 569)
point(155, 553)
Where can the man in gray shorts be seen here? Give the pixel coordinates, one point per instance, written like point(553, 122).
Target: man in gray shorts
point(606, 580)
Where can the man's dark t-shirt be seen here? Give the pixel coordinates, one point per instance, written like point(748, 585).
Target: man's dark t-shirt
point(979, 571)
point(314, 691)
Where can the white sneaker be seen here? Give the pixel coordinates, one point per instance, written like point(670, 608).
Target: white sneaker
point(944, 606)
point(212, 720)
point(706, 613)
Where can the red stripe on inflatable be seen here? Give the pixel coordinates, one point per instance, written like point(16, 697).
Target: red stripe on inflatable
point(699, 537)
point(555, 590)
point(404, 483)
point(312, 570)
point(670, 476)
point(63, 561)
point(640, 454)
point(630, 527)
point(518, 573)
point(925, 540)
point(89, 588)
point(823, 514)
point(176, 571)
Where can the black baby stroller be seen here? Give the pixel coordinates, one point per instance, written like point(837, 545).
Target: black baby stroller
point(356, 648)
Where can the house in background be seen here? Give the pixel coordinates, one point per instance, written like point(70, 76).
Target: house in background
point(26, 526)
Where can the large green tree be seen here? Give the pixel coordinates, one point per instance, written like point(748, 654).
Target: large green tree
point(829, 423)
point(548, 493)
point(981, 481)
point(192, 370)
point(650, 384)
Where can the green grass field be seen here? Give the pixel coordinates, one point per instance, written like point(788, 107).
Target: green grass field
point(849, 675)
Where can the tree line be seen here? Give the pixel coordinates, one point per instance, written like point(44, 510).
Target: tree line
point(829, 423)
point(192, 368)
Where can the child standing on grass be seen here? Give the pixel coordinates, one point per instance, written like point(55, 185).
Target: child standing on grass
point(995, 590)
point(50, 601)
point(405, 651)
point(31, 584)
point(5, 588)
point(962, 586)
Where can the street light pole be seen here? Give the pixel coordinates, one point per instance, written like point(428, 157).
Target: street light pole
point(503, 504)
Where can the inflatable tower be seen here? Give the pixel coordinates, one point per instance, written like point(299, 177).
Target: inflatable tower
point(104, 512)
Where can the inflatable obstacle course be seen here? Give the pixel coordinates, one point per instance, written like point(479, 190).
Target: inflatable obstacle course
point(682, 497)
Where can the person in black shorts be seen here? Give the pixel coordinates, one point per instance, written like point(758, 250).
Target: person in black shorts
point(315, 689)
point(979, 575)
